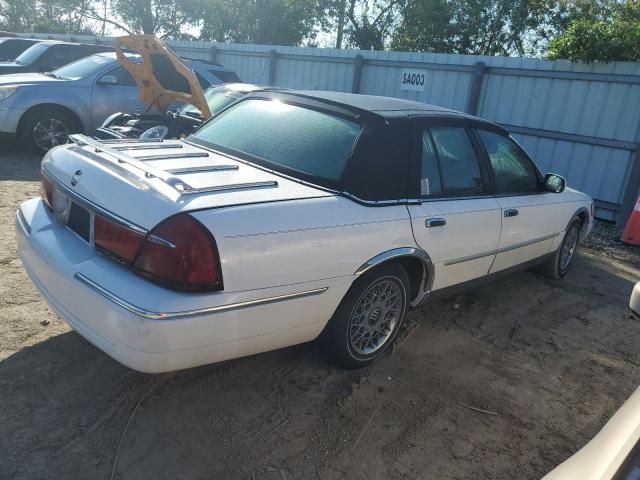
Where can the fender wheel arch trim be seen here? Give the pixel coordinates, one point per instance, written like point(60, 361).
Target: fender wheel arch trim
point(403, 252)
point(576, 215)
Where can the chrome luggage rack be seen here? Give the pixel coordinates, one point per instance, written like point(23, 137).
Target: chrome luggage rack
point(114, 149)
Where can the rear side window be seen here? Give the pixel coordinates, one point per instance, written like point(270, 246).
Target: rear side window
point(513, 171)
point(455, 162)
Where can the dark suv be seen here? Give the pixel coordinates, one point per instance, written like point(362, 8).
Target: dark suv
point(10, 48)
point(48, 55)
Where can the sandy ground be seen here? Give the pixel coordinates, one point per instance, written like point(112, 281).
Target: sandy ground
point(552, 361)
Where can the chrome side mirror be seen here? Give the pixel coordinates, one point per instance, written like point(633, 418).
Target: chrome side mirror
point(554, 183)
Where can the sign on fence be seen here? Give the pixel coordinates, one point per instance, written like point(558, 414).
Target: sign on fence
point(413, 80)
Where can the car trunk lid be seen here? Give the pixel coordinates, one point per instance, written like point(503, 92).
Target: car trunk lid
point(146, 182)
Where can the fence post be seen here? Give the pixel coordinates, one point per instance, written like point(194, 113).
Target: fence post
point(273, 58)
point(214, 54)
point(475, 87)
point(357, 73)
point(632, 191)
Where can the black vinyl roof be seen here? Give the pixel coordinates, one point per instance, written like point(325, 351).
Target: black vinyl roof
point(380, 168)
point(374, 103)
point(387, 107)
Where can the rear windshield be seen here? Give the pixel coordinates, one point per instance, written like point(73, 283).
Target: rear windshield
point(32, 53)
point(217, 98)
point(285, 137)
point(85, 67)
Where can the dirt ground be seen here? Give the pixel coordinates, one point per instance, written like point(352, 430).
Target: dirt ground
point(551, 360)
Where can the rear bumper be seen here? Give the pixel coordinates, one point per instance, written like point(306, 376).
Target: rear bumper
point(141, 330)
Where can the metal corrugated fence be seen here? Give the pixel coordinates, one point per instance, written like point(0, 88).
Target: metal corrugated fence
point(581, 121)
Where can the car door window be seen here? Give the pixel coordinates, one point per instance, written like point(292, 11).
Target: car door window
point(124, 78)
point(512, 169)
point(58, 55)
point(458, 164)
point(430, 183)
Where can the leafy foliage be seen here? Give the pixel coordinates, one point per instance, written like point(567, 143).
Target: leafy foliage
point(608, 35)
point(581, 30)
point(274, 22)
point(480, 27)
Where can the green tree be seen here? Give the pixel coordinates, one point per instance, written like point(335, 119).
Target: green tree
point(52, 16)
point(370, 23)
point(479, 27)
point(272, 22)
point(609, 34)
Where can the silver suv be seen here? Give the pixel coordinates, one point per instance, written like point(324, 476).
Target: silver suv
point(41, 110)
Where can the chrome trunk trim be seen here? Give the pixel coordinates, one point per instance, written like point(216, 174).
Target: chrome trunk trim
point(149, 172)
point(141, 312)
point(173, 156)
point(92, 207)
point(142, 146)
point(204, 168)
point(224, 188)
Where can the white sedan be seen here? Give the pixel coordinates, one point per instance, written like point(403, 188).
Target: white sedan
point(287, 216)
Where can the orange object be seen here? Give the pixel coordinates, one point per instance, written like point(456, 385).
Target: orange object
point(631, 232)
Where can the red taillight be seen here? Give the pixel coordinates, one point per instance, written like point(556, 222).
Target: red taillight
point(181, 253)
point(46, 192)
point(117, 240)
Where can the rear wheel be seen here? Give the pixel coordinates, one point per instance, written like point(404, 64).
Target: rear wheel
point(557, 265)
point(369, 316)
point(44, 129)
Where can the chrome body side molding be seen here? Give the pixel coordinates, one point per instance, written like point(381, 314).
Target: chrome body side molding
point(141, 312)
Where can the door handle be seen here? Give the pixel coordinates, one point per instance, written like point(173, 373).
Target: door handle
point(511, 212)
point(435, 222)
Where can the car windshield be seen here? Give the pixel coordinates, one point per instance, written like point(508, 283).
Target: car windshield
point(288, 138)
point(32, 53)
point(217, 98)
point(83, 68)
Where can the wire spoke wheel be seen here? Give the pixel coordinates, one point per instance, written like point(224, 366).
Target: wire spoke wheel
point(569, 247)
point(50, 132)
point(375, 316)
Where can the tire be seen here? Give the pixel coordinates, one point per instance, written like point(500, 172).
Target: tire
point(44, 129)
point(354, 336)
point(558, 264)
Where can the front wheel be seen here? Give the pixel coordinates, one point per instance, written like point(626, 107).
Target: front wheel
point(369, 317)
point(557, 265)
point(44, 129)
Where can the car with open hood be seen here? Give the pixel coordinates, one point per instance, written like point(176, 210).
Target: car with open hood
point(173, 123)
point(287, 216)
point(41, 110)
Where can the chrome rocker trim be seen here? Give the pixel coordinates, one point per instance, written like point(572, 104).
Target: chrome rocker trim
point(141, 312)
